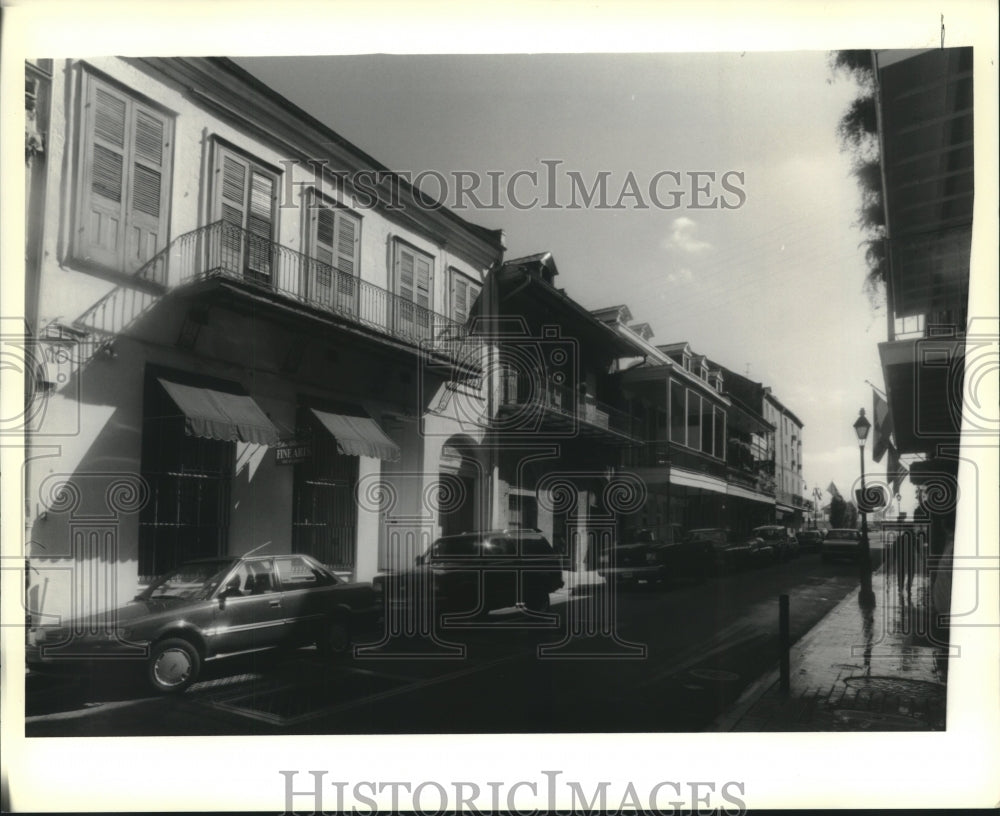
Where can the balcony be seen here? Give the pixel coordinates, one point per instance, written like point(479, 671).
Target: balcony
point(533, 406)
point(222, 251)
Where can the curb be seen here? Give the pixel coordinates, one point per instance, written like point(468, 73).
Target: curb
point(753, 693)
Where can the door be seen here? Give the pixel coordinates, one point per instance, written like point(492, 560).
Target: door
point(253, 617)
point(245, 199)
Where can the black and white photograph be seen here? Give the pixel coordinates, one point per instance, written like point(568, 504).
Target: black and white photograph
point(528, 413)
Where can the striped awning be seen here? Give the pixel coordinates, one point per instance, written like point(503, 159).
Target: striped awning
point(358, 435)
point(212, 414)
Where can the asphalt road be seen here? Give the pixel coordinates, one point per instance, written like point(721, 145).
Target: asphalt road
point(650, 659)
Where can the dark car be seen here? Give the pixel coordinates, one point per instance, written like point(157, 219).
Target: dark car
point(785, 544)
point(810, 540)
point(213, 608)
point(479, 571)
point(730, 550)
point(841, 544)
point(643, 557)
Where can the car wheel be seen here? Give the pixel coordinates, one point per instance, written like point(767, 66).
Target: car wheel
point(537, 600)
point(335, 640)
point(173, 665)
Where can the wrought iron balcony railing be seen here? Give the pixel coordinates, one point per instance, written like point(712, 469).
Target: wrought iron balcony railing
point(224, 251)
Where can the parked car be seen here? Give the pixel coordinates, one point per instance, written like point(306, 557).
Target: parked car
point(480, 571)
point(785, 544)
point(643, 557)
point(841, 544)
point(730, 550)
point(213, 608)
point(810, 540)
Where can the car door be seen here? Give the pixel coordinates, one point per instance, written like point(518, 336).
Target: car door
point(250, 615)
point(305, 597)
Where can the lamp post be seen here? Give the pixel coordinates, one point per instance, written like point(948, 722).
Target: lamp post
point(861, 428)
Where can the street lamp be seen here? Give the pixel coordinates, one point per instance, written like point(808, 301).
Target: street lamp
point(861, 428)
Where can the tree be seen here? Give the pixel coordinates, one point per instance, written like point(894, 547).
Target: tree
point(838, 508)
point(858, 133)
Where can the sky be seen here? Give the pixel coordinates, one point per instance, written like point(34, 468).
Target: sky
point(771, 285)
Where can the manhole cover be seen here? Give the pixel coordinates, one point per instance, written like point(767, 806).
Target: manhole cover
point(877, 721)
point(715, 674)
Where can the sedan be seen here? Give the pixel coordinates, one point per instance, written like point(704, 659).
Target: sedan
point(643, 557)
point(730, 550)
point(841, 544)
point(215, 608)
point(810, 540)
point(785, 544)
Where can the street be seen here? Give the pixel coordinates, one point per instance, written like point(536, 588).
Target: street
point(681, 655)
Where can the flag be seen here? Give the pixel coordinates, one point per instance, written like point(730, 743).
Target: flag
point(896, 471)
point(832, 490)
point(881, 428)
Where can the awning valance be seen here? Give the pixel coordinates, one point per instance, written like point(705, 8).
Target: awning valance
point(358, 435)
point(212, 414)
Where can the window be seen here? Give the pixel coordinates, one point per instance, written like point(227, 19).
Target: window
point(412, 282)
point(707, 433)
point(297, 573)
point(333, 244)
point(693, 420)
point(464, 292)
point(187, 515)
point(124, 180)
point(245, 200)
point(720, 433)
point(678, 420)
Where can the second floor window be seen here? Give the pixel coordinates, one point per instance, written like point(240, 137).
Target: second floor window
point(464, 292)
point(245, 199)
point(413, 280)
point(333, 245)
point(123, 206)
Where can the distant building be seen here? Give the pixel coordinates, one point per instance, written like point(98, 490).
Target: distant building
point(703, 457)
point(790, 501)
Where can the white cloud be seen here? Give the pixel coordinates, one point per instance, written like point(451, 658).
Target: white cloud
point(679, 275)
point(682, 237)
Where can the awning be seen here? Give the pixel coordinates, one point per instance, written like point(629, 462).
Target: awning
point(358, 436)
point(220, 415)
point(743, 493)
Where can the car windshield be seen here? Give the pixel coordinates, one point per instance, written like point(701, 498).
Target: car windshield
point(194, 581)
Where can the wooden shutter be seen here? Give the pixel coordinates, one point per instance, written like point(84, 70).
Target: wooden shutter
point(463, 294)
point(245, 198)
point(324, 228)
point(347, 260)
point(260, 222)
point(230, 207)
point(148, 194)
point(124, 187)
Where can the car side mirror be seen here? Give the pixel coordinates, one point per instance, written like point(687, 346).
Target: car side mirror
point(222, 601)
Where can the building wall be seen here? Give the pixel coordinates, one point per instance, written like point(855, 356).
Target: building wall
point(90, 437)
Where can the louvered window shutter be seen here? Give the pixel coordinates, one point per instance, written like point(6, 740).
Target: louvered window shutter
point(260, 225)
point(124, 190)
point(324, 219)
point(347, 260)
point(244, 200)
point(230, 207)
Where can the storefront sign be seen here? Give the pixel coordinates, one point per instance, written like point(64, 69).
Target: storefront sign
point(290, 453)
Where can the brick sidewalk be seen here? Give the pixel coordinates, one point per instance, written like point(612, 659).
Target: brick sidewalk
point(880, 671)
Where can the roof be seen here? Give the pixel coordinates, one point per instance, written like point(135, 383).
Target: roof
point(534, 273)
